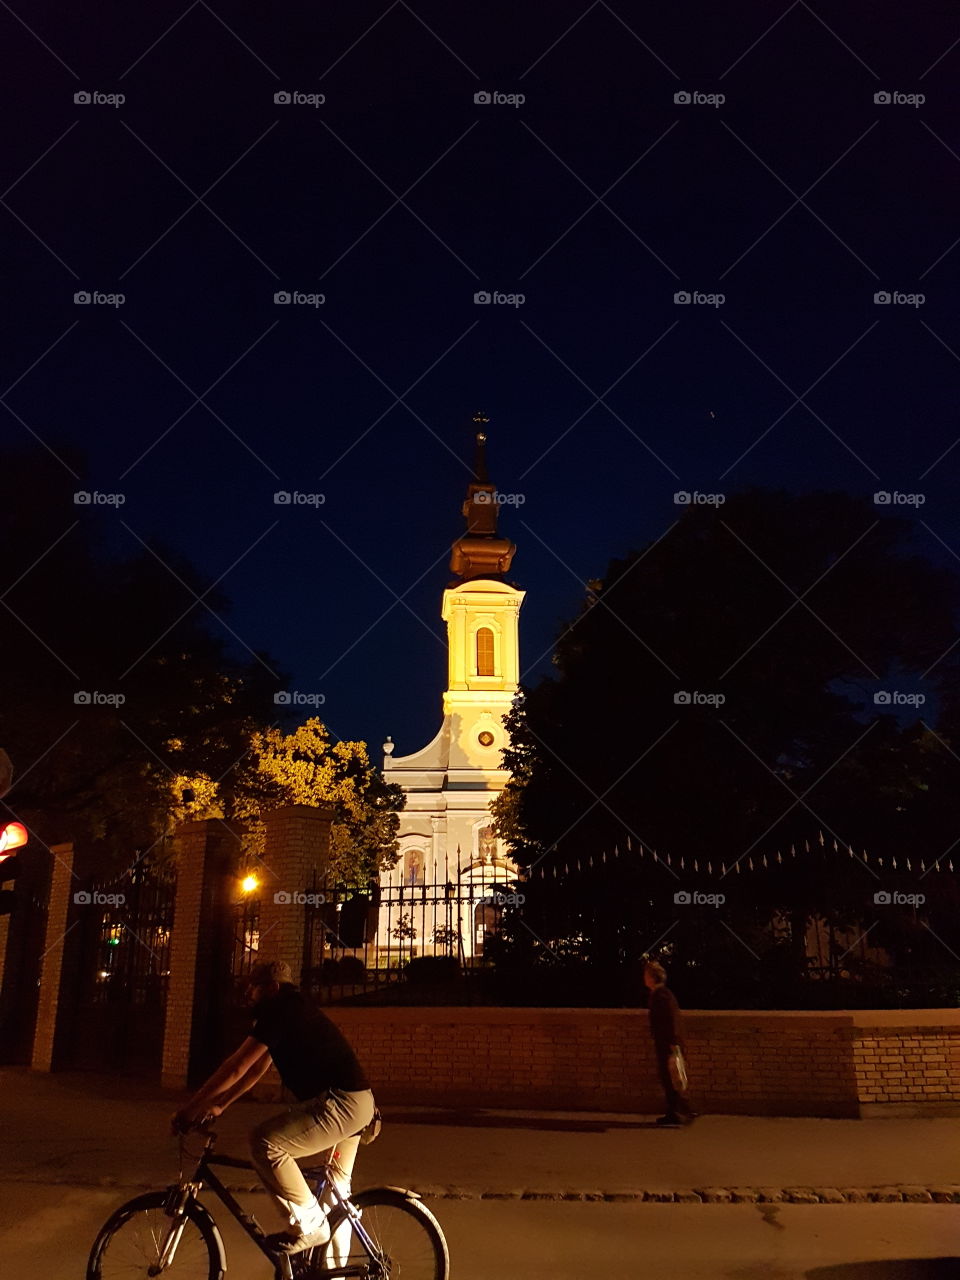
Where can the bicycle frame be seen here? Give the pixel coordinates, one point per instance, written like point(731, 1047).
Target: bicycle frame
point(187, 1190)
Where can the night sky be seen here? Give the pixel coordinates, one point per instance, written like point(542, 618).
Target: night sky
point(598, 198)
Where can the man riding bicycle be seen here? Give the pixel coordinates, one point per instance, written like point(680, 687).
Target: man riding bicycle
point(318, 1066)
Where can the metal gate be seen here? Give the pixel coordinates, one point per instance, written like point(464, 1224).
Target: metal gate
point(116, 1017)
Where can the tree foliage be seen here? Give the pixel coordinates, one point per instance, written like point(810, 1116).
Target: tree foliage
point(795, 610)
point(307, 767)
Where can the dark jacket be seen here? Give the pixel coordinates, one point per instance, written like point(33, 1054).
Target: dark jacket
point(666, 1024)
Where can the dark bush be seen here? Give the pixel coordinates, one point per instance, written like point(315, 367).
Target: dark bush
point(352, 969)
point(426, 970)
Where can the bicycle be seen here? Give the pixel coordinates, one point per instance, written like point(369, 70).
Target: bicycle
point(380, 1234)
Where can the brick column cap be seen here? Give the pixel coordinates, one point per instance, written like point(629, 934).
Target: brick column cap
point(311, 812)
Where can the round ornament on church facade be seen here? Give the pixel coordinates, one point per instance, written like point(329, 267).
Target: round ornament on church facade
point(485, 738)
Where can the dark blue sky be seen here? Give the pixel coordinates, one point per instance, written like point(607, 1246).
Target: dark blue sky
point(600, 197)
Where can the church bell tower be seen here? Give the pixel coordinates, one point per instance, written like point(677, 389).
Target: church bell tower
point(450, 783)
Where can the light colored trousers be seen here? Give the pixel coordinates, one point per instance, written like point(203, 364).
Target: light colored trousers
point(332, 1120)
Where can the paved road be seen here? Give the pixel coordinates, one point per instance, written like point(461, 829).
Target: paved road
point(47, 1235)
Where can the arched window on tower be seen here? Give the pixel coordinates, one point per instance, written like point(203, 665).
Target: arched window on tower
point(485, 652)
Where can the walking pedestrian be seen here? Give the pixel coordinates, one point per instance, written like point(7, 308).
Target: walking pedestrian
point(666, 1028)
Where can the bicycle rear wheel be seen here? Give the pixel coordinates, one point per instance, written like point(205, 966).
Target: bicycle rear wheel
point(405, 1233)
point(132, 1239)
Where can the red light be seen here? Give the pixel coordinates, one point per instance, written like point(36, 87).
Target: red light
point(13, 835)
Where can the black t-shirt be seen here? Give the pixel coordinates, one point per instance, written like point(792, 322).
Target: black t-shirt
point(310, 1052)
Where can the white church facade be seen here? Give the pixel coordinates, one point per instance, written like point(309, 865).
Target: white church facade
point(446, 838)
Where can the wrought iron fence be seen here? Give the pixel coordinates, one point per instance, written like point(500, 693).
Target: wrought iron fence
point(358, 943)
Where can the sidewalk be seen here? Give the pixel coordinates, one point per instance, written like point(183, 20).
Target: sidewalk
point(86, 1130)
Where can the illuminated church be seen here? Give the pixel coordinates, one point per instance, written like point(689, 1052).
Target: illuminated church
point(445, 832)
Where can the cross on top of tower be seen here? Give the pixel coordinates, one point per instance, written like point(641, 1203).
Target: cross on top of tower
point(481, 552)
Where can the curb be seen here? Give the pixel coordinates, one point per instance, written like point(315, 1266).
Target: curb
point(943, 1193)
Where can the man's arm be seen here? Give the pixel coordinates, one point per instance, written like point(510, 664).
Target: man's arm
point(247, 1081)
point(243, 1061)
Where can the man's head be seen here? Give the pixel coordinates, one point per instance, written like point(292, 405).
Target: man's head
point(265, 980)
point(654, 975)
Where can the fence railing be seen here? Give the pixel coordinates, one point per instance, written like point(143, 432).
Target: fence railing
point(360, 942)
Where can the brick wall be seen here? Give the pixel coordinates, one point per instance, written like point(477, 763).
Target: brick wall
point(907, 1061)
point(819, 1064)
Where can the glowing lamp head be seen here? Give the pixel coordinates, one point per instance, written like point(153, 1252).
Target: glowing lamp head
point(249, 883)
point(12, 836)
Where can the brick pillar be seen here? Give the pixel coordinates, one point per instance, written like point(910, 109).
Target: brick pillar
point(296, 857)
point(198, 992)
point(63, 883)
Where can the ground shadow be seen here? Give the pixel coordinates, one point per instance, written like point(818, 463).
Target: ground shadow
point(890, 1269)
point(483, 1120)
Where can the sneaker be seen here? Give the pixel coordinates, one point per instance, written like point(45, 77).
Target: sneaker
point(295, 1242)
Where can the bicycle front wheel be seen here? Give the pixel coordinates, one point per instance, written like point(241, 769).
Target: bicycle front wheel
point(406, 1238)
point(132, 1242)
